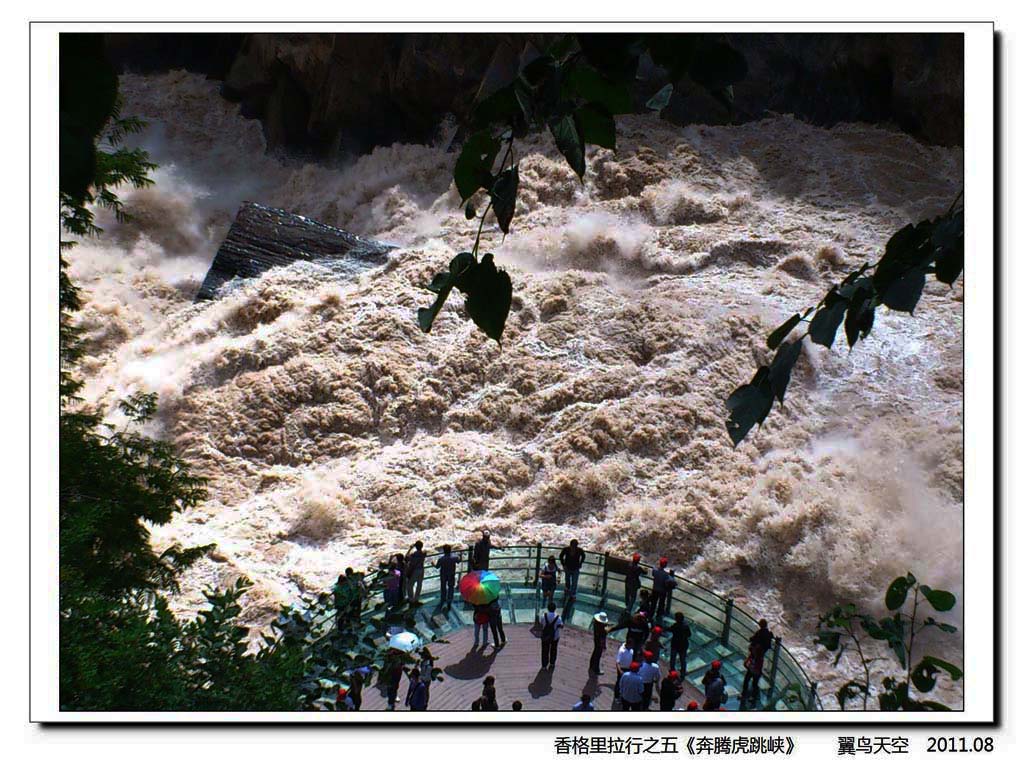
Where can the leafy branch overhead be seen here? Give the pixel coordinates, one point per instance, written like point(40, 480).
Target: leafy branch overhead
point(573, 89)
point(896, 281)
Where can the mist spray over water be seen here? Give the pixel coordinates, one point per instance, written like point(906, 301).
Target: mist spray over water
point(334, 431)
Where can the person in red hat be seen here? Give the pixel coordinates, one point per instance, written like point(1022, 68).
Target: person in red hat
point(692, 706)
point(660, 587)
point(714, 687)
point(343, 701)
point(631, 689)
point(671, 689)
point(654, 643)
point(650, 674)
point(634, 573)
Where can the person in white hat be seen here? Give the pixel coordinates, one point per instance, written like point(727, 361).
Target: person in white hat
point(600, 641)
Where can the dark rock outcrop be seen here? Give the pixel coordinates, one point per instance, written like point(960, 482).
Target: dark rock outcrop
point(261, 238)
point(327, 93)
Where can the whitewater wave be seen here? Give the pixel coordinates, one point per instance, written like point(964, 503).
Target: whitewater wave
point(333, 430)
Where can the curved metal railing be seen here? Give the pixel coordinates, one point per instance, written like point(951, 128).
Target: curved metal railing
point(722, 629)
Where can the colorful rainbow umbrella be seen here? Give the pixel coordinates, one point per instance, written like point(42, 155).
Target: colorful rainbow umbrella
point(480, 587)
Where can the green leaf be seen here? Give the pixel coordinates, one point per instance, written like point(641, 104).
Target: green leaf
point(470, 211)
point(503, 196)
point(903, 293)
point(925, 673)
point(596, 126)
point(828, 639)
point(827, 319)
point(908, 250)
point(567, 139)
point(946, 627)
point(779, 334)
point(442, 284)
point(896, 594)
point(782, 367)
point(749, 404)
point(660, 100)
point(860, 315)
point(489, 297)
point(473, 168)
point(943, 601)
point(948, 241)
point(592, 86)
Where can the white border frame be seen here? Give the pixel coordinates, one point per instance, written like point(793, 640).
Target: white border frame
point(979, 410)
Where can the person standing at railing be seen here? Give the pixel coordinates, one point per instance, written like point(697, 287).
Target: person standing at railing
point(447, 564)
point(634, 573)
point(760, 644)
point(600, 641)
point(548, 580)
point(660, 587)
point(550, 633)
point(482, 552)
point(680, 643)
point(572, 558)
point(415, 558)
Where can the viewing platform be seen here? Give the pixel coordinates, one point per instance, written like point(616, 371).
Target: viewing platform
point(720, 631)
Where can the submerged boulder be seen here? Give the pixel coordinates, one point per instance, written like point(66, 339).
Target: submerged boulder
point(261, 238)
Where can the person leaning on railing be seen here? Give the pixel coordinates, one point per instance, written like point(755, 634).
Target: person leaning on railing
point(482, 552)
point(415, 558)
point(572, 558)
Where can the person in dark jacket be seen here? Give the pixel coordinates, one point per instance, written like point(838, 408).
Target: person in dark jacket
point(489, 697)
point(572, 558)
point(634, 573)
point(653, 644)
point(548, 576)
point(392, 676)
point(714, 687)
point(661, 588)
point(762, 636)
point(671, 689)
point(415, 559)
point(482, 551)
point(600, 641)
point(496, 623)
point(680, 644)
point(355, 689)
point(416, 697)
point(636, 632)
point(447, 564)
point(754, 665)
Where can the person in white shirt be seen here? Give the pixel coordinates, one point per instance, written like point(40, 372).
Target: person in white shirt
point(550, 633)
point(622, 660)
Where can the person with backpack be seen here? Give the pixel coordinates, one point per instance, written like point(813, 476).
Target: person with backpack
point(572, 558)
point(600, 641)
point(634, 573)
point(714, 687)
point(416, 697)
point(680, 643)
point(550, 633)
point(548, 580)
point(447, 564)
point(415, 559)
point(481, 623)
point(496, 623)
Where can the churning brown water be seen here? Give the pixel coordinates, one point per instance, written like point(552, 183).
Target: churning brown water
point(334, 431)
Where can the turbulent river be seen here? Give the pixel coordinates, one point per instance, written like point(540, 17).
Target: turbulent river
point(333, 430)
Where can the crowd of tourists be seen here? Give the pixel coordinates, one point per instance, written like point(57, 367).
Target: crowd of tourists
point(651, 636)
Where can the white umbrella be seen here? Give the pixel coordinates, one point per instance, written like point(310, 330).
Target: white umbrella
point(405, 641)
